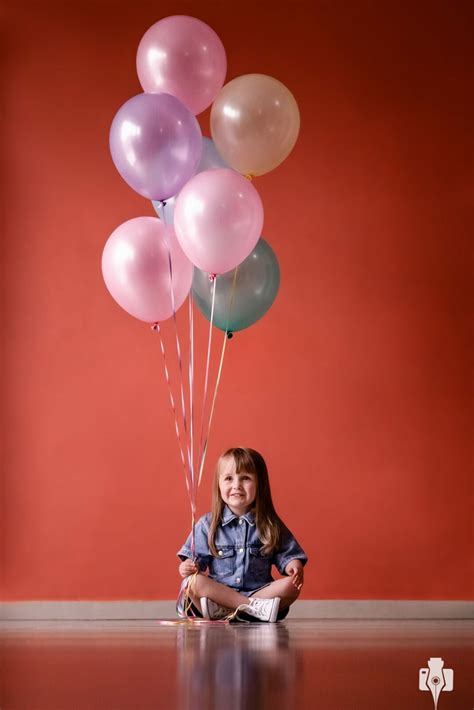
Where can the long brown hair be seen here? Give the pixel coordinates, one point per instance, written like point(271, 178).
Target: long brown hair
point(266, 519)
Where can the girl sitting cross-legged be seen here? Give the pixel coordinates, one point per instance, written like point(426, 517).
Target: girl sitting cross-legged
point(238, 542)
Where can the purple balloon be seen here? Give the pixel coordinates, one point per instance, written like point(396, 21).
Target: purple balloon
point(155, 144)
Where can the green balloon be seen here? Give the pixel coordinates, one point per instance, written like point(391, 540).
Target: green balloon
point(240, 305)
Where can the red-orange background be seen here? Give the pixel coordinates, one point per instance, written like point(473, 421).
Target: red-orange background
point(355, 386)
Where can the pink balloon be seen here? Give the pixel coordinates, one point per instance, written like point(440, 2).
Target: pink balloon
point(182, 56)
point(218, 219)
point(135, 267)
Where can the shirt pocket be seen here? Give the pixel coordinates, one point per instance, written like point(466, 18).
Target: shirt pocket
point(260, 566)
point(223, 565)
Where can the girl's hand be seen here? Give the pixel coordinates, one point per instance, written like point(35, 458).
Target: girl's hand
point(187, 567)
point(294, 569)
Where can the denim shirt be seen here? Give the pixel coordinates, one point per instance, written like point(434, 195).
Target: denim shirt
point(240, 564)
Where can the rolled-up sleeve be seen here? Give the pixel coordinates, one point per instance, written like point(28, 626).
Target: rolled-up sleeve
point(202, 552)
point(288, 549)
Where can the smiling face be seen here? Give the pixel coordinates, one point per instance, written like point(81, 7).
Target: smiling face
point(238, 490)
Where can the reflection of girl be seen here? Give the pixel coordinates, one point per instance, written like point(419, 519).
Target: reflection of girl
point(222, 668)
point(238, 542)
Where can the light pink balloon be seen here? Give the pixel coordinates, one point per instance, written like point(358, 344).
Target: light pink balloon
point(135, 267)
point(184, 57)
point(218, 219)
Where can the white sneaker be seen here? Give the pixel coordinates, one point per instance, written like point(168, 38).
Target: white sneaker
point(261, 609)
point(212, 610)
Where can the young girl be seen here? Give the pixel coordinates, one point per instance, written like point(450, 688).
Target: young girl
point(238, 542)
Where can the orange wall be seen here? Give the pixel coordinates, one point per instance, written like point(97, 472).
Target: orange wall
point(355, 386)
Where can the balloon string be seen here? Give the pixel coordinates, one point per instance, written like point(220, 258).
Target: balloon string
point(191, 379)
point(195, 621)
point(204, 449)
point(186, 610)
point(185, 593)
point(192, 490)
point(185, 605)
point(219, 373)
point(191, 421)
point(156, 327)
point(206, 379)
point(180, 363)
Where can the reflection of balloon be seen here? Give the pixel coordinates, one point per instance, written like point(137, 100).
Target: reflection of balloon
point(255, 122)
point(135, 267)
point(256, 286)
point(182, 56)
point(218, 219)
point(210, 159)
point(155, 144)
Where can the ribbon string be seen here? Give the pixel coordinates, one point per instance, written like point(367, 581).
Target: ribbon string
point(206, 379)
point(203, 451)
point(193, 473)
point(180, 364)
point(191, 378)
point(218, 379)
point(156, 327)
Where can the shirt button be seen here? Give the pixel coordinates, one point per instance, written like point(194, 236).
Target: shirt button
point(241, 521)
point(220, 552)
point(237, 579)
point(241, 549)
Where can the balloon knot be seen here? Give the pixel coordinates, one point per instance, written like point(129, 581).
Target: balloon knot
point(249, 176)
point(230, 335)
point(155, 326)
point(212, 277)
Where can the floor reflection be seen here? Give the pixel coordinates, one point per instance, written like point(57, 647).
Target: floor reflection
point(236, 668)
point(314, 665)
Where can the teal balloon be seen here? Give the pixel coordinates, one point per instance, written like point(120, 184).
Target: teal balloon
point(256, 287)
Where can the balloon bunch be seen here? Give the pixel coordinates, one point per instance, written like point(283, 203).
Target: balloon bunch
point(206, 240)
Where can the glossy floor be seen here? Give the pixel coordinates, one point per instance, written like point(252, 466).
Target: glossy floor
point(325, 665)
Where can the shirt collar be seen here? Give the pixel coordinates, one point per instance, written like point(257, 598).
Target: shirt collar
point(228, 516)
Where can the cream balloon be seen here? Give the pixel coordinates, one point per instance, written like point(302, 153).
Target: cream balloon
point(255, 122)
